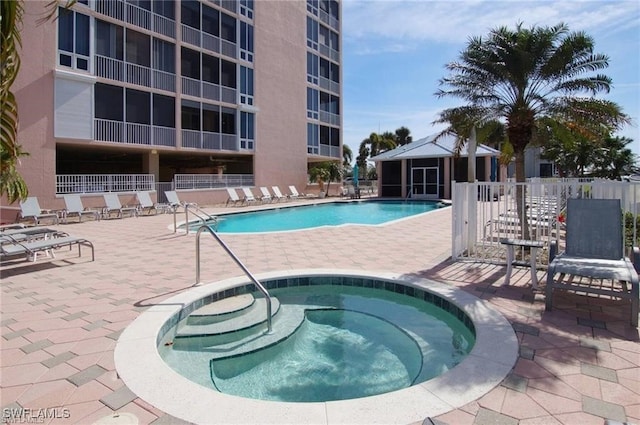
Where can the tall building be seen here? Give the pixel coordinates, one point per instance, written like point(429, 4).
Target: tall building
point(119, 95)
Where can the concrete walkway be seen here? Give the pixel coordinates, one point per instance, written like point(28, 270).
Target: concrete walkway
point(61, 318)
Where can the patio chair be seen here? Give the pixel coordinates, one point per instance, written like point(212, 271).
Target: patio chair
point(594, 249)
point(31, 249)
point(30, 209)
point(233, 197)
point(248, 195)
point(146, 204)
point(174, 201)
point(294, 192)
point(114, 206)
point(277, 195)
point(74, 207)
point(266, 196)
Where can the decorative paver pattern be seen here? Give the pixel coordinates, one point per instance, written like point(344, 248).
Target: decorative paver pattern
point(578, 364)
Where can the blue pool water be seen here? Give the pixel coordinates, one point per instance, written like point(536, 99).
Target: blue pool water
point(352, 342)
point(329, 214)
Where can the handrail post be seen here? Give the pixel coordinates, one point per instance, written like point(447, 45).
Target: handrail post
point(259, 285)
point(175, 224)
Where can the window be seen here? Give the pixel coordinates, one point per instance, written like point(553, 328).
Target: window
point(313, 141)
point(246, 8)
point(227, 73)
point(164, 111)
point(109, 40)
point(312, 68)
point(228, 124)
point(138, 106)
point(210, 21)
point(247, 136)
point(312, 7)
point(138, 48)
point(312, 33)
point(109, 102)
point(211, 118)
point(246, 85)
point(246, 42)
point(166, 8)
point(312, 103)
point(190, 115)
point(190, 62)
point(73, 39)
point(227, 27)
point(190, 10)
point(210, 69)
point(164, 56)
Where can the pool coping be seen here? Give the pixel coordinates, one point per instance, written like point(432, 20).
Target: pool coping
point(493, 356)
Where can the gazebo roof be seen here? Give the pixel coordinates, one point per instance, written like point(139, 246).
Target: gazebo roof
point(429, 148)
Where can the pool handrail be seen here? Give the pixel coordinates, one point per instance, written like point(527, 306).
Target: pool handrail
point(195, 211)
point(255, 281)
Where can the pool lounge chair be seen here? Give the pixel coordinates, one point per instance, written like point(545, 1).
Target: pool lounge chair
point(31, 249)
point(30, 209)
point(174, 201)
point(74, 207)
point(277, 195)
point(114, 206)
point(294, 192)
point(594, 251)
point(146, 204)
point(248, 195)
point(233, 197)
point(266, 196)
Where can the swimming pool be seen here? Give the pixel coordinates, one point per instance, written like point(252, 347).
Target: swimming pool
point(146, 374)
point(284, 218)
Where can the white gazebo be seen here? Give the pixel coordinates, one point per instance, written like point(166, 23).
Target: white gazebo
point(425, 168)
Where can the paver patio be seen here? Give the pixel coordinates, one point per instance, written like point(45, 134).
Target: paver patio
point(61, 318)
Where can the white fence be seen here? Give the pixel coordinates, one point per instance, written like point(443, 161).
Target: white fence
point(484, 212)
point(100, 183)
point(212, 181)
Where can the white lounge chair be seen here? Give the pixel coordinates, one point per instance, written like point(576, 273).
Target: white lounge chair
point(294, 192)
point(31, 249)
point(74, 207)
point(146, 204)
point(277, 195)
point(248, 195)
point(233, 196)
point(174, 201)
point(266, 196)
point(30, 209)
point(594, 250)
point(114, 206)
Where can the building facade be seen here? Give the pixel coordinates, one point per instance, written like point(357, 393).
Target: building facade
point(119, 95)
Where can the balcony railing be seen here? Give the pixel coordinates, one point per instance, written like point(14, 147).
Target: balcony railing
point(329, 118)
point(115, 69)
point(210, 42)
point(327, 51)
point(134, 133)
point(190, 86)
point(331, 151)
point(212, 181)
point(207, 140)
point(137, 16)
point(329, 20)
point(329, 85)
point(100, 183)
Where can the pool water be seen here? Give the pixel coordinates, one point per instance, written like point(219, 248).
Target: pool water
point(328, 214)
point(353, 342)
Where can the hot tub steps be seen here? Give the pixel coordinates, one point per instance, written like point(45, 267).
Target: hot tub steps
point(222, 310)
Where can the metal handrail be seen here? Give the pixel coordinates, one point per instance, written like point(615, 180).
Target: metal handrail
point(238, 262)
point(195, 212)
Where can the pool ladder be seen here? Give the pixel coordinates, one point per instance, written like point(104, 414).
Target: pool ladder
point(259, 285)
point(202, 216)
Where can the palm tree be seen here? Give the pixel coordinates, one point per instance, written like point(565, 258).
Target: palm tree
point(374, 145)
point(403, 136)
point(11, 182)
point(347, 155)
point(614, 160)
point(524, 75)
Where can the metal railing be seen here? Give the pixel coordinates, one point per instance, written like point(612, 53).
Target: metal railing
point(255, 281)
point(202, 216)
point(485, 212)
point(212, 181)
point(100, 183)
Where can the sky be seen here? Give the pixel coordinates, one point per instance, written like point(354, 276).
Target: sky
point(395, 52)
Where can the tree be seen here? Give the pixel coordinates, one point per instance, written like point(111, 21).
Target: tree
point(614, 160)
point(374, 145)
point(524, 75)
point(11, 182)
point(403, 136)
point(347, 155)
point(326, 172)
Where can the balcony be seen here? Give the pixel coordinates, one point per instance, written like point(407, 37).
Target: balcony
point(134, 133)
point(328, 52)
point(100, 183)
point(114, 69)
point(137, 16)
point(209, 42)
point(209, 141)
point(329, 118)
point(329, 85)
point(329, 20)
point(330, 151)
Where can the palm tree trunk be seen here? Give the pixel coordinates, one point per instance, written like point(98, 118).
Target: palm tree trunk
point(521, 194)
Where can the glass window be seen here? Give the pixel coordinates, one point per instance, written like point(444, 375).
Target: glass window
point(190, 10)
point(138, 106)
point(108, 102)
point(166, 8)
point(210, 21)
point(65, 30)
point(190, 63)
point(246, 80)
point(73, 39)
point(228, 124)
point(164, 56)
point(109, 40)
point(210, 69)
point(247, 125)
point(246, 41)
point(227, 27)
point(227, 73)
point(164, 112)
point(211, 118)
point(190, 116)
point(82, 34)
point(138, 48)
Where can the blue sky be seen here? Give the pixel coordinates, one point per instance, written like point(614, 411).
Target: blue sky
point(394, 53)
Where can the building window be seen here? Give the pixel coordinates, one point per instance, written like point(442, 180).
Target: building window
point(313, 101)
point(211, 118)
point(246, 85)
point(190, 63)
point(164, 111)
point(109, 40)
point(73, 39)
point(210, 21)
point(313, 140)
point(166, 8)
point(312, 33)
point(312, 7)
point(246, 42)
point(190, 116)
point(228, 73)
point(228, 27)
point(247, 130)
point(246, 8)
point(210, 69)
point(138, 48)
point(109, 103)
point(313, 67)
point(138, 107)
point(190, 13)
point(228, 122)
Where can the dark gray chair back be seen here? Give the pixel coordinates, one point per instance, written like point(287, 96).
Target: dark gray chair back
point(594, 228)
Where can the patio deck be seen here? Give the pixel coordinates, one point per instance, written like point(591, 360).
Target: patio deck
point(579, 364)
